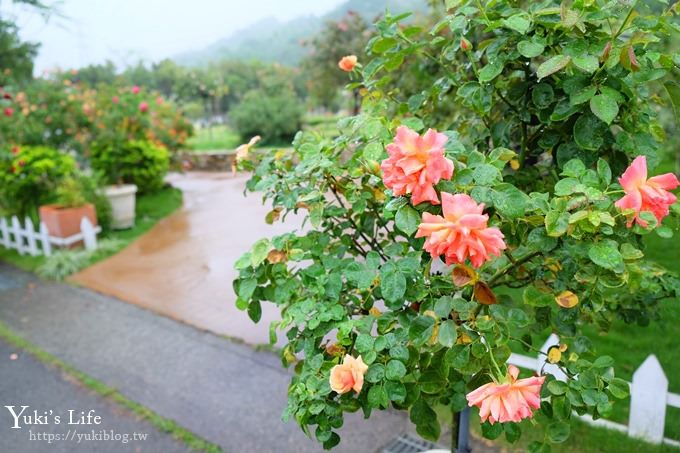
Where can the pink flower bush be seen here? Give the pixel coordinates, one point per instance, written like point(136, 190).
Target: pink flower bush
point(144, 107)
point(415, 164)
point(461, 233)
point(135, 89)
point(349, 375)
point(644, 194)
point(511, 401)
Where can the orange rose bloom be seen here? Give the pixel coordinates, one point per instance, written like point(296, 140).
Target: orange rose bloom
point(348, 63)
point(349, 375)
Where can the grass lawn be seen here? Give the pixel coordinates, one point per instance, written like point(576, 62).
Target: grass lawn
point(150, 209)
point(216, 138)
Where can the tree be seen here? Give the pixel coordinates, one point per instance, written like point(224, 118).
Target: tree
point(16, 56)
point(347, 36)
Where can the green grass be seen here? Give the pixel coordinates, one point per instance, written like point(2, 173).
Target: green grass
point(144, 413)
point(150, 209)
point(216, 138)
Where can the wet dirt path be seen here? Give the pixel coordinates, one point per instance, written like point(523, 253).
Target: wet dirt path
point(183, 267)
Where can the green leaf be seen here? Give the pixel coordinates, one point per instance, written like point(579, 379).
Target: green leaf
point(509, 201)
point(530, 49)
point(512, 432)
point(392, 283)
point(574, 168)
point(556, 223)
point(491, 71)
point(425, 419)
point(589, 132)
point(557, 387)
point(587, 63)
point(558, 432)
point(673, 89)
point(582, 95)
point(255, 311)
point(407, 219)
point(604, 107)
point(443, 306)
point(383, 44)
point(413, 123)
point(447, 333)
point(375, 373)
point(259, 252)
point(535, 298)
point(606, 254)
point(395, 370)
point(374, 151)
point(420, 330)
point(486, 174)
point(604, 171)
point(246, 288)
point(542, 95)
point(377, 397)
point(364, 343)
point(553, 65)
point(568, 186)
point(618, 388)
point(490, 431)
point(519, 22)
point(396, 391)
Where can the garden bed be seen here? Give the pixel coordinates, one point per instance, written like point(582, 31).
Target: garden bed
point(151, 208)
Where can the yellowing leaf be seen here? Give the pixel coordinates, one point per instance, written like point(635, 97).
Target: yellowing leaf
point(463, 275)
point(483, 294)
point(567, 299)
point(277, 256)
point(463, 338)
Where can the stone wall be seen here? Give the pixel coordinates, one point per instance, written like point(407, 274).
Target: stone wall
point(207, 161)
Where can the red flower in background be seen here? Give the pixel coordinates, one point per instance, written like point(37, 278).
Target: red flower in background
point(135, 89)
point(144, 107)
point(9, 111)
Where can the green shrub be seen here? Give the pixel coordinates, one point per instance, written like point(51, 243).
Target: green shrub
point(29, 178)
point(276, 117)
point(135, 162)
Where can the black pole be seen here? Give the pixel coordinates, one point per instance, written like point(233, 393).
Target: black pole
point(460, 431)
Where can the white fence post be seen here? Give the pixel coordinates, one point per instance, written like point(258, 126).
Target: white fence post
point(32, 247)
point(648, 395)
point(18, 235)
point(45, 239)
point(549, 368)
point(89, 234)
point(4, 233)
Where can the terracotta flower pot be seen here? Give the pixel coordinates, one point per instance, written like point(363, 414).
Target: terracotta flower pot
point(63, 222)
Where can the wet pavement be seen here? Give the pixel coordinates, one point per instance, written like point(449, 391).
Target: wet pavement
point(183, 267)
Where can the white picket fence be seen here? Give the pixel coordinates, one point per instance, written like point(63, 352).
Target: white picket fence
point(649, 395)
point(25, 238)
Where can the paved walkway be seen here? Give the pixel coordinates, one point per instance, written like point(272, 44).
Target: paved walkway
point(227, 393)
point(28, 382)
point(183, 267)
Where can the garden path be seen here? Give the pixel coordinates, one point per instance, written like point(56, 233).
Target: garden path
point(227, 393)
point(183, 267)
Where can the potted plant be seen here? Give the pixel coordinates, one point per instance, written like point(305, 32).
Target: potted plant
point(129, 167)
point(63, 217)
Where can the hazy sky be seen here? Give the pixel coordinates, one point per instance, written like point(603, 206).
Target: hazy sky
point(91, 31)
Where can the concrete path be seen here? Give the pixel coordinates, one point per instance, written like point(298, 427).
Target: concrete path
point(27, 382)
point(183, 267)
point(227, 393)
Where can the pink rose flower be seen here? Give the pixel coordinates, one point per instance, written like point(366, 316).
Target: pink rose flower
point(511, 401)
point(415, 164)
point(135, 89)
point(9, 111)
point(159, 100)
point(348, 63)
point(143, 107)
point(115, 99)
point(348, 375)
point(644, 194)
point(462, 233)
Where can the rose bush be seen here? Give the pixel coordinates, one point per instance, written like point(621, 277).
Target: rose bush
point(538, 109)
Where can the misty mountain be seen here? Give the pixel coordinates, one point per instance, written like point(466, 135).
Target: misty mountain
point(270, 40)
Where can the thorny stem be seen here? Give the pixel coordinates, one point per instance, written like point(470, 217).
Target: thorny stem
point(508, 268)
